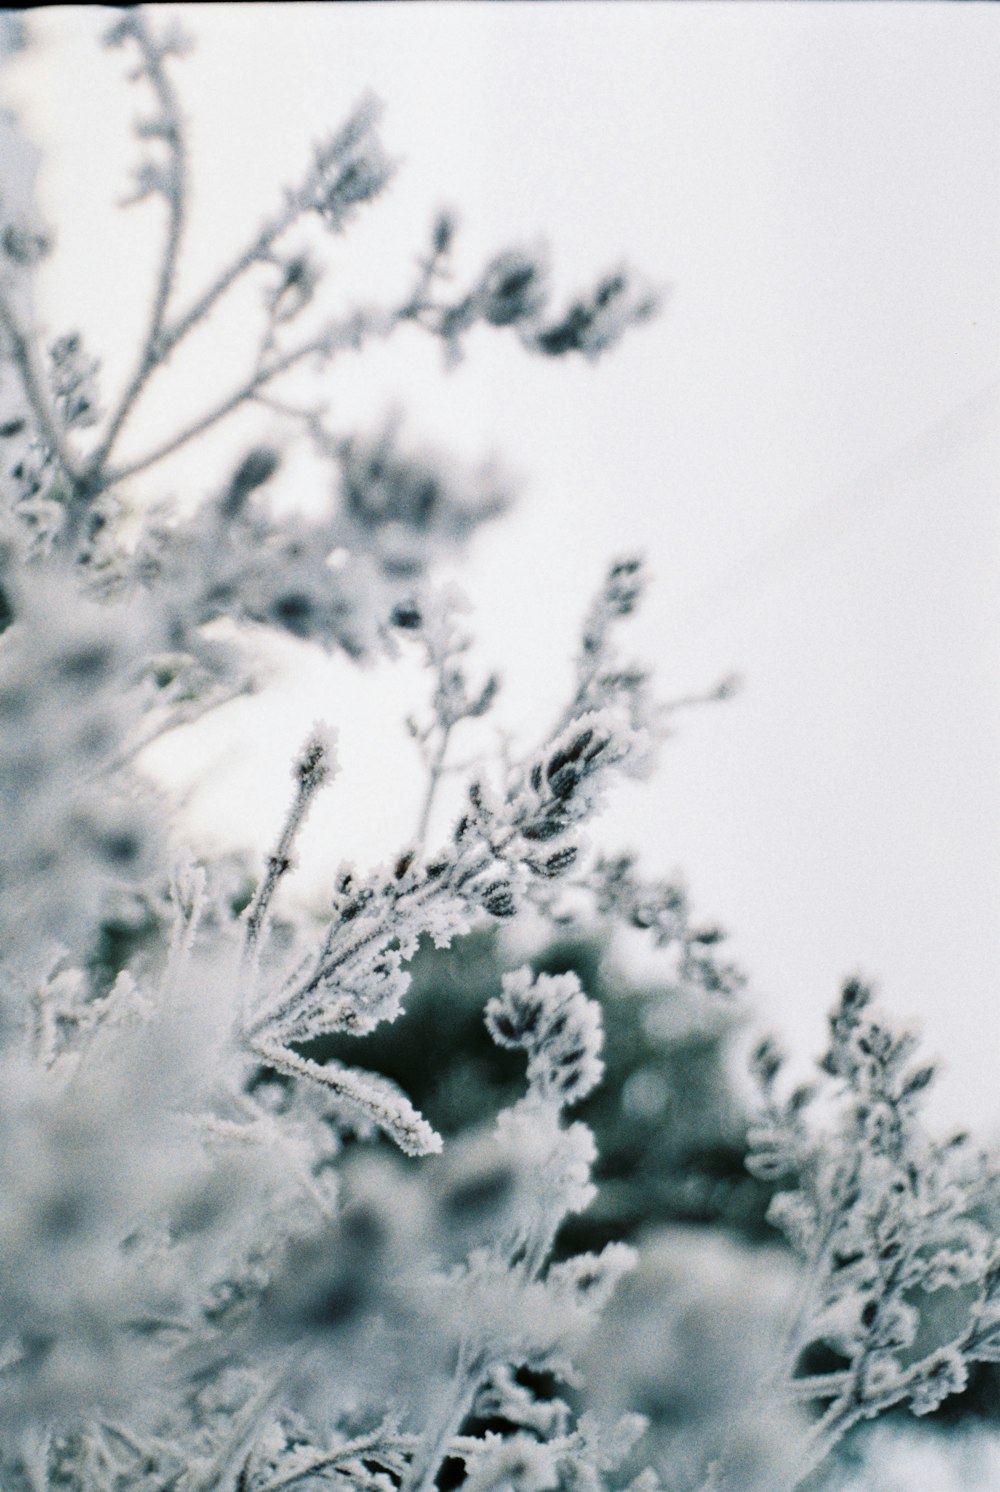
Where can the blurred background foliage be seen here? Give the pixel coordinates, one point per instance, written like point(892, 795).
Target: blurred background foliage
point(669, 1118)
point(669, 1124)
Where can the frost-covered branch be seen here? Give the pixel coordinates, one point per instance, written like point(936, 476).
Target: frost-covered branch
point(351, 333)
point(884, 1217)
point(168, 181)
point(313, 769)
point(350, 169)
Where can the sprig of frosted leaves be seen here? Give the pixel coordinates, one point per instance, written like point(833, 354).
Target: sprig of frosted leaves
point(883, 1216)
point(551, 1020)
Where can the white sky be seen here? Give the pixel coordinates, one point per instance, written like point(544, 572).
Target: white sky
point(805, 444)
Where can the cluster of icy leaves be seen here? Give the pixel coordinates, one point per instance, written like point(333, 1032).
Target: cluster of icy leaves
point(356, 977)
point(884, 1218)
point(187, 1269)
point(661, 907)
point(339, 581)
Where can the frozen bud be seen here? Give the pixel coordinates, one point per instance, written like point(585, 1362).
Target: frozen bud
point(596, 323)
point(73, 376)
point(575, 758)
point(317, 761)
point(728, 687)
point(484, 700)
point(946, 1374)
point(256, 468)
point(855, 996)
point(766, 1063)
point(295, 610)
point(353, 168)
point(393, 495)
point(556, 863)
point(592, 1278)
point(549, 826)
point(623, 587)
point(406, 616)
point(443, 233)
point(498, 899)
point(23, 246)
point(515, 1019)
point(295, 289)
point(918, 1081)
point(512, 289)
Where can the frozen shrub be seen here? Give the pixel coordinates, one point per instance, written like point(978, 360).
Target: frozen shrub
point(210, 1283)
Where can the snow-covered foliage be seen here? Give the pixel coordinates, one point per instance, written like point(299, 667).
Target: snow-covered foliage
point(209, 1281)
point(886, 1219)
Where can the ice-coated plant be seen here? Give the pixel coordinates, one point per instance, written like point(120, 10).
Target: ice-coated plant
point(216, 1274)
point(888, 1222)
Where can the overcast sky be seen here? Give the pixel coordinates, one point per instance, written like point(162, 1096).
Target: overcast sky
point(805, 444)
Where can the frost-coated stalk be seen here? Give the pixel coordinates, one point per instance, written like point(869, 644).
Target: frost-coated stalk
point(431, 1451)
point(171, 182)
point(313, 769)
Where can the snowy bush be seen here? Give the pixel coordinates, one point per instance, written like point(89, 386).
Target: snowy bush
point(210, 1281)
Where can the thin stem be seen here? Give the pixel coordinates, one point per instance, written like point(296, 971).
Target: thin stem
point(279, 862)
point(366, 1447)
point(162, 337)
point(187, 916)
point(313, 768)
point(350, 334)
point(818, 1386)
point(253, 254)
point(817, 1275)
point(433, 780)
point(298, 201)
point(823, 1436)
point(233, 1455)
point(153, 350)
point(184, 713)
point(427, 1460)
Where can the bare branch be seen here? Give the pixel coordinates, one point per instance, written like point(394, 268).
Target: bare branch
point(299, 201)
point(169, 128)
point(350, 333)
